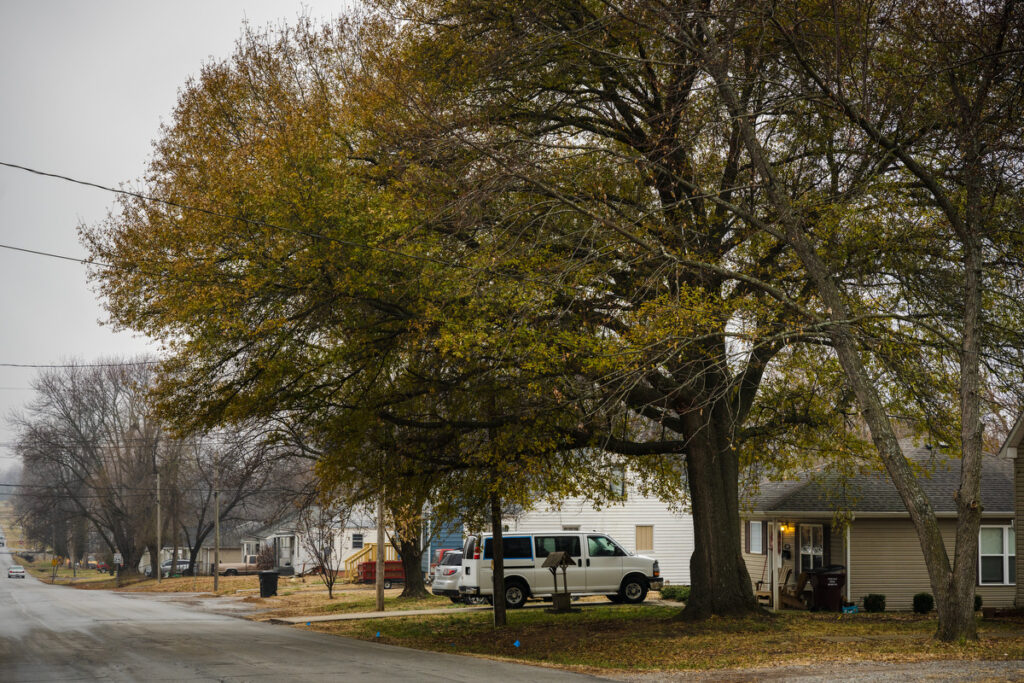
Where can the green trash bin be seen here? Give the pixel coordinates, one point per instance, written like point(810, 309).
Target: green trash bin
point(268, 583)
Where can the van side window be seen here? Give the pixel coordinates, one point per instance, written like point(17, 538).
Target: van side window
point(602, 546)
point(516, 548)
point(546, 545)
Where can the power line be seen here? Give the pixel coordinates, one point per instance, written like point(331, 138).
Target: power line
point(52, 255)
point(250, 221)
point(78, 365)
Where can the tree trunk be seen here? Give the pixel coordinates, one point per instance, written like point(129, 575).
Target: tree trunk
point(412, 557)
point(498, 553)
point(720, 583)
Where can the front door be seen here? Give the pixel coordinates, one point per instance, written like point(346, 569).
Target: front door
point(604, 564)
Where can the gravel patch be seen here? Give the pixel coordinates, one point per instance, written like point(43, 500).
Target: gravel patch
point(946, 670)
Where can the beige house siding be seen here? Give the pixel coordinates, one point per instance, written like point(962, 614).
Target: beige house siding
point(1018, 497)
point(886, 558)
point(757, 565)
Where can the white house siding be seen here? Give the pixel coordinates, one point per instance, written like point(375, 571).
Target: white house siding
point(673, 532)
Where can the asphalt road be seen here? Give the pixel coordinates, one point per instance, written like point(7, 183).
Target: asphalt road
point(56, 633)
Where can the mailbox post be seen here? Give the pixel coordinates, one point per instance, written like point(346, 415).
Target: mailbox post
point(560, 602)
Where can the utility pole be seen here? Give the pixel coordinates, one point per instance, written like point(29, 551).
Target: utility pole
point(159, 526)
point(380, 553)
point(216, 524)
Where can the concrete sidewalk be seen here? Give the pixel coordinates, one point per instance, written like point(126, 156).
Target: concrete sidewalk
point(353, 616)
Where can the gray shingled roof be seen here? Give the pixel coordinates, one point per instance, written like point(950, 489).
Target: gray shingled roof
point(821, 491)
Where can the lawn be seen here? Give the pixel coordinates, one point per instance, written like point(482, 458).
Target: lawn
point(41, 568)
point(296, 596)
point(647, 638)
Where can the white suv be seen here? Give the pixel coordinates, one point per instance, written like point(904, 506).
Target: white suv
point(600, 567)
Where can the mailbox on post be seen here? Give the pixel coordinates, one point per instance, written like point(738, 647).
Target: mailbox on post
point(559, 559)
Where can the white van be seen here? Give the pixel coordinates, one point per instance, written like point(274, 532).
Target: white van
point(601, 567)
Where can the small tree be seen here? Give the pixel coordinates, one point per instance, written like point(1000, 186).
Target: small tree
point(318, 530)
point(265, 558)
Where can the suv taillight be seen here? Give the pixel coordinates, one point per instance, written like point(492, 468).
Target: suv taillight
point(657, 570)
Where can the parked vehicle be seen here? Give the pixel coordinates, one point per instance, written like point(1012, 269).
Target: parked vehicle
point(447, 578)
point(447, 575)
point(15, 571)
point(246, 566)
point(436, 560)
point(394, 572)
point(165, 568)
point(600, 567)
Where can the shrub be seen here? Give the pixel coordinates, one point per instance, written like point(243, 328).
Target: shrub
point(977, 602)
point(924, 603)
point(874, 602)
point(679, 593)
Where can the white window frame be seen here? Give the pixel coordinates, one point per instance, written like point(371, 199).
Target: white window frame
point(799, 545)
point(759, 548)
point(1009, 555)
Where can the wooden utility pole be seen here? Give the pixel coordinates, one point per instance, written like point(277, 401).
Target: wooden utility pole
point(380, 553)
point(216, 526)
point(159, 527)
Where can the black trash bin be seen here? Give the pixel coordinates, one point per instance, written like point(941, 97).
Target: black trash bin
point(268, 583)
point(828, 583)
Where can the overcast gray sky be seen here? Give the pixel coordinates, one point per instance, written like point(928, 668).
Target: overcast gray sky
point(83, 89)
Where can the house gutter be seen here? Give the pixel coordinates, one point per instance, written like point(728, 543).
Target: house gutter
point(756, 515)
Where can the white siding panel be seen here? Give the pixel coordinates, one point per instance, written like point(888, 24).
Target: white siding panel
point(673, 532)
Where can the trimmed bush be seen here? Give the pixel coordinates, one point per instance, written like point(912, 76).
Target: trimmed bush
point(678, 593)
point(977, 602)
point(874, 602)
point(924, 603)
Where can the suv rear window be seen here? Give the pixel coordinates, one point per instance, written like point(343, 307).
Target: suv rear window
point(452, 558)
point(516, 548)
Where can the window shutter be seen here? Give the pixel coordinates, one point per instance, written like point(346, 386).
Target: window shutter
point(764, 537)
point(746, 537)
point(826, 545)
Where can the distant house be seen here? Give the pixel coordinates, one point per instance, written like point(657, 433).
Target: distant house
point(642, 524)
point(789, 530)
point(290, 552)
point(1013, 450)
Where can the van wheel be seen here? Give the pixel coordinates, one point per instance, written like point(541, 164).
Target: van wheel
point(614, 597)
point(633, 589)
point(476, 600)
point(387, 583)
point(515, 594)
point(231, 572)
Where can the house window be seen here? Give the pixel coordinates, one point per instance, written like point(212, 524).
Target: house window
point(644, 538)
point(357, 541)
point(812, 546)
point(617, 483)
point(996, 555)
point(755, 538)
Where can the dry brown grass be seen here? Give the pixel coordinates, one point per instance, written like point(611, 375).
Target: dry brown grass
point(648, 638)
